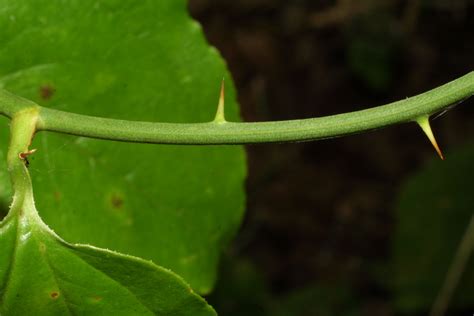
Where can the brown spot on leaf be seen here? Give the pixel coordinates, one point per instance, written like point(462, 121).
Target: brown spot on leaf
point(54, 295)
point(57, 196)
point(42, 247)
point(46, 92)
point(97, 298)
point(117, 201)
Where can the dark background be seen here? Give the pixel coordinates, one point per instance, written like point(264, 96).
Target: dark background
point(321, 215)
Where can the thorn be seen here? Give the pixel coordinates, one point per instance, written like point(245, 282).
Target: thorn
point(424, 123)
point(220, 114)
point(25, 155)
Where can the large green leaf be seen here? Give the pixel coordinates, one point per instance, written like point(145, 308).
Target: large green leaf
point(42, 275)
point(137, 60)
point(434, 209)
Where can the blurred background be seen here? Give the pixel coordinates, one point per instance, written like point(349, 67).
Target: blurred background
point(363, 225)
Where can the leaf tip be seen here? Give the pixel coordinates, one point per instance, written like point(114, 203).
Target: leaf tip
point(424, 123)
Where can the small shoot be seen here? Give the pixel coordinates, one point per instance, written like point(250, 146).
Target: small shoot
point(424, 123)
point(220, 114)
point(24, 156)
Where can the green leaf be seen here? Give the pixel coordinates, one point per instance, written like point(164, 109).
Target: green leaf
point(434, 209)
point(40, 272)
point(136, 60)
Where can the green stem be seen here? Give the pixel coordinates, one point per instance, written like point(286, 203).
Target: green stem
point(220, 132)
point(22, 129)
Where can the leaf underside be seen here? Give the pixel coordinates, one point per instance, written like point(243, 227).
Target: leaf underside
point(42, 275)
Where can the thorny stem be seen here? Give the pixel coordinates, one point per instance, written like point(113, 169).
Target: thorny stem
point(28, 118)
point(219, 131)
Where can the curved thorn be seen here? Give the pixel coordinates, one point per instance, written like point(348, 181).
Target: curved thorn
point(220, 114)
point(424, 123)
point(24, 155)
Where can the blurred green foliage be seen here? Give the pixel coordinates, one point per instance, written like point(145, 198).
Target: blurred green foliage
point(434, 208)
point(242, 290)
point(371, 50)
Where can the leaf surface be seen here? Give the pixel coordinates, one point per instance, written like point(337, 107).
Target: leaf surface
point(137, 60)
point(41, 274)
